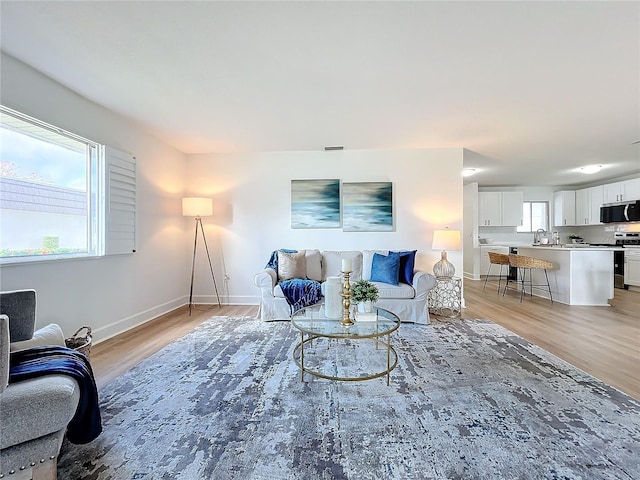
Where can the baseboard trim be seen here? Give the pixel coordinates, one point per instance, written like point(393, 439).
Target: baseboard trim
point(125, 324)
point(116, 328)
point(225, 300)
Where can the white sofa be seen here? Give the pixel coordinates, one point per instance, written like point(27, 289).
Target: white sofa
point(408, 302)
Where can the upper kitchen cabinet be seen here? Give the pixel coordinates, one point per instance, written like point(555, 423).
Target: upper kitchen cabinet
point(512, 209)
point(564, 208)
point(500, 209)
point(624, 191)
point(588, 203)
point(490, 209)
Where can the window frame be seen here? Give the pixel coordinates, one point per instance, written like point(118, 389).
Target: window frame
point(530, 204)
point(110, 178)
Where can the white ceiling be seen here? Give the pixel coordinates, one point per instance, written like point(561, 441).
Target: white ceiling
point(533, 89)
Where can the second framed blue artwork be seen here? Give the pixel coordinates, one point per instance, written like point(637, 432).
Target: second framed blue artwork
point(367, 207)
point(315, 203)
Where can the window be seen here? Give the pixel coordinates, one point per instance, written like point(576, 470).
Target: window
point(61, 195)
point(535, 216)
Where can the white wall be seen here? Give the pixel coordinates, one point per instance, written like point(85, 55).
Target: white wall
point(252, 210)
point(469, 243)
point(114, 293)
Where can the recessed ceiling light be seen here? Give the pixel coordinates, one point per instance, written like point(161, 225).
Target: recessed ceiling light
point(467, 172)
point(589, 169)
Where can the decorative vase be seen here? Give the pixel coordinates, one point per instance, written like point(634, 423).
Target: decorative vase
point(331, 290)
point(365, 307)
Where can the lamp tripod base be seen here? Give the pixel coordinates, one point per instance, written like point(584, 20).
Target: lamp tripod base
point(193, 264)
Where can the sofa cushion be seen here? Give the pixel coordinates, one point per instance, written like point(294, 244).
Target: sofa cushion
point(367, 261)
point(407, 264)
point(332, 263)
point(291, 265)
point(20, 307)
point(314, 265)
point(402, 291)
point(385, 268)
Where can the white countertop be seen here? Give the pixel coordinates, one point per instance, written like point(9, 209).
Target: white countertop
point(571, 248)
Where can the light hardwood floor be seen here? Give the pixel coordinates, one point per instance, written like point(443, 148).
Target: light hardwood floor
point(603, 341)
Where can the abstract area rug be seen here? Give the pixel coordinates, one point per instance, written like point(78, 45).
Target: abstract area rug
point(468, 400)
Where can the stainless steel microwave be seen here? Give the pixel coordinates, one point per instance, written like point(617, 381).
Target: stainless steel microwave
point(620, 212)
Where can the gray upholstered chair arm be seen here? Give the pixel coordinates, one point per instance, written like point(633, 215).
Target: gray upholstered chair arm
point(4, 352)
point(37, 407)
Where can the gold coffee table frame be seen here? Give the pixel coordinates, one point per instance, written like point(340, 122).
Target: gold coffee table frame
point(312, 324)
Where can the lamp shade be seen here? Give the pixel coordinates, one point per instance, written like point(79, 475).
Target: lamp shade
point(446, 240)
point(197, 207)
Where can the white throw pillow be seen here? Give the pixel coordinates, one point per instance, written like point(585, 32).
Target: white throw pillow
point(332, 263)
point(49, 335)
point(314, 265)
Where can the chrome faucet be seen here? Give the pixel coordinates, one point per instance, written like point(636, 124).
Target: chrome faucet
point(537, 236)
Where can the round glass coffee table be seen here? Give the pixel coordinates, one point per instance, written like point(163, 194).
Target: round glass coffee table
point(327, 349)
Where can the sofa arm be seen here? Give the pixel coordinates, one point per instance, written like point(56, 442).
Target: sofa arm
point(4, 352)
point(266, 281)
point(423, 282)
point(49, 335)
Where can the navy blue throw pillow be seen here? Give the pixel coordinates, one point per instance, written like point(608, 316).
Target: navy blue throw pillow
point(407, 264)
point(385, 268)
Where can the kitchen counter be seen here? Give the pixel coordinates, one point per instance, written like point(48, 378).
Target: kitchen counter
point(572, 247)
point(580, 276)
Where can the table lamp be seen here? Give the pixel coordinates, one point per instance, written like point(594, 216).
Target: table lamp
point(445, 240)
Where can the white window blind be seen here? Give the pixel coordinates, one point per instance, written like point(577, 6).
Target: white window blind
point(120, 202)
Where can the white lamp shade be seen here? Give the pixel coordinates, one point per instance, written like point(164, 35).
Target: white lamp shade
point(446, 240)
point(197, 207)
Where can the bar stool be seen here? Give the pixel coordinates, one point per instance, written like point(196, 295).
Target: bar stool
point(525, 264)
point(497, 259)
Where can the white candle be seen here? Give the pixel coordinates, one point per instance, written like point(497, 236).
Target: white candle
point(346, 264)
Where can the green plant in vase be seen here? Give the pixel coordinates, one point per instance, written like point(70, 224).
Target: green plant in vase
point(363, 292)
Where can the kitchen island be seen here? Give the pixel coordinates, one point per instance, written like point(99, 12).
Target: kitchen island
point(580, 276)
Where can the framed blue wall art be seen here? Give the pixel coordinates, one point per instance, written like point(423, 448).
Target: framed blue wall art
point(315, 203)
point(367, 207)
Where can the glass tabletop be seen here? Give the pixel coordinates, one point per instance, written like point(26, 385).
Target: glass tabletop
point(312, 320)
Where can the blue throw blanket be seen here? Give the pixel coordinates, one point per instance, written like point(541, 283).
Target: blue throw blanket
point(299, 292)
point(86, 424)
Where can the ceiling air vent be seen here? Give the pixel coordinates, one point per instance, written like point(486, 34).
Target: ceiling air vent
point(333, 147)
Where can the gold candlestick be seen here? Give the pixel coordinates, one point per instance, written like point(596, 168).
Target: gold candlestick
point(346, 301)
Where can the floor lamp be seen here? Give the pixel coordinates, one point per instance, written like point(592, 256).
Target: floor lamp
point(198, 208)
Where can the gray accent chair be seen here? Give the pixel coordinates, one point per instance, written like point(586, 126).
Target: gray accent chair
point(34, 413)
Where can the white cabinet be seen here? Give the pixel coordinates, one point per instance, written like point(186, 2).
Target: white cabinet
point(624, 191)
point(582, 207)
point(490, 209)
point(596, 199)
point(512, 209)
point(564, 208)
point(632, 267)
point(500, 209)
point(588, 203)
point(484, 260)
